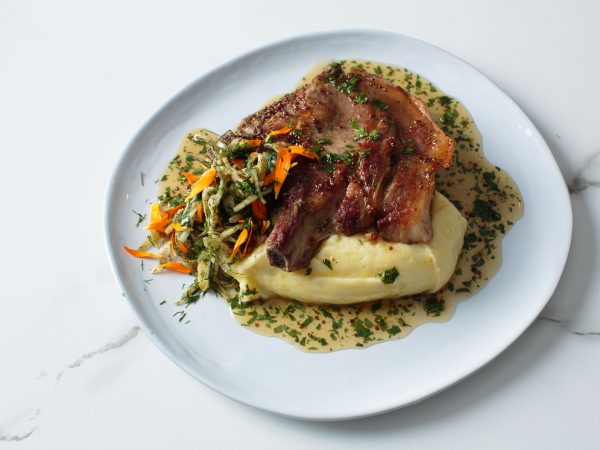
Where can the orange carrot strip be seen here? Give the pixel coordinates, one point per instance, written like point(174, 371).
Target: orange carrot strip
point(247, 242)
point(199, 212)
point(268, 179)
point(283, 130)
point(265, 226)
point(173, 243)
point(282, 166)
point(259, 210)
point(205, 180)
point(190, 177)
point(182, 247)
point(238, 243)
point(253, 142)
point(158, 226)
point(176, 267)
point(140, 253)
point(239, 163)
point(296, 149)
point(171, 211)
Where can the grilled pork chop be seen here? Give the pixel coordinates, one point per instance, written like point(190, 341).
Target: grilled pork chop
point(379, 151)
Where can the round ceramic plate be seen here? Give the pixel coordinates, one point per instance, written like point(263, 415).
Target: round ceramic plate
point(271, 374)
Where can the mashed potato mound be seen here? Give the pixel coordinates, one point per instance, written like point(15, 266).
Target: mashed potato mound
point(356, 265)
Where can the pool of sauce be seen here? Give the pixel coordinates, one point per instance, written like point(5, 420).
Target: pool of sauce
point(486, 196)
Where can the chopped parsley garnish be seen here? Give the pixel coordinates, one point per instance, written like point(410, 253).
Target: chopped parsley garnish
point(485, 211)
point(389, 276)
point(348, 86)
point(489, 178)
point(362, 155)
point(324, 142)
point(379, 104)
point(361, 132)
point(308, 271)
point(433, 306)
point(363, 327)
point(248, 291)
point(328, 264)
point(330, 159)
point(361, 98)
point(393, 330)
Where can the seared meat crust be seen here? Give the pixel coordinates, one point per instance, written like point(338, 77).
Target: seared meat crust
point(390, 148)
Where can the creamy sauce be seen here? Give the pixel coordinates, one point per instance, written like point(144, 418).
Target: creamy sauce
point(323, 328)
point(486, 196)
point(173, 186)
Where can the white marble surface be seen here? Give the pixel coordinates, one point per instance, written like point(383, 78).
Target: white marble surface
point(77, 80)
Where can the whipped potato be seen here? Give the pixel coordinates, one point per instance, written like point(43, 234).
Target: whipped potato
point(357, 264)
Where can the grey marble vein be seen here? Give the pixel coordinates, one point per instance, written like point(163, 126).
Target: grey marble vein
point(584, 178)
point(563, 323)
point(131, 334)
point(17, 437)
point(22, 436)
point(113, 345)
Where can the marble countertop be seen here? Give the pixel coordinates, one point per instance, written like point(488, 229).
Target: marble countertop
point(76, 82)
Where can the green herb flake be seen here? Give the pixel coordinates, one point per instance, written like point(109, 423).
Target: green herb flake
point(393, 330)
point(389, 276)
point(362, 327)
point(348, 86)
point(361, 98)
point(434, 306)
point(485, 211)
point(306, 322)
point(328, 264)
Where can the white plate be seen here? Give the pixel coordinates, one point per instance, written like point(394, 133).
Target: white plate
point(271, 374)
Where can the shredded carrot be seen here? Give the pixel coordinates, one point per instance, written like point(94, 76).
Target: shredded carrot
point(171, 211)
point(282, 166)
point(297, 150)
point(268, 179)
point(158, 221)
point(239, 163)
point(199, 212)
point(259, 210)
point(265, 226)
point(173, 243)
point(284, 130)
point(238, 243)
point(176, 267)
point(190, 177)
point(140, 253)
point(205, 180)
point(158, 226)
point(182, 246)
point(247, 242)
point(253, 142)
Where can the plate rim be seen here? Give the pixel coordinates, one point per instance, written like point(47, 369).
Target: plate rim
point(154, 337)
